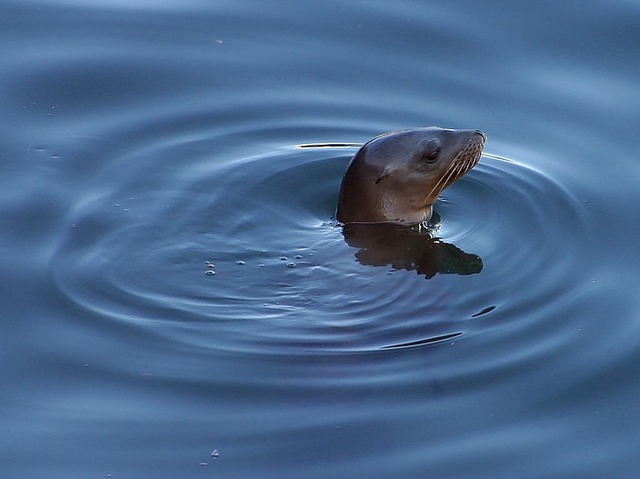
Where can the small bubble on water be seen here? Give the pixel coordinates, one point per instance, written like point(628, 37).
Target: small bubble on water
point(291, 265)
point(240, 263)
point(210, 272)
point(298, 256)
point(283, 258)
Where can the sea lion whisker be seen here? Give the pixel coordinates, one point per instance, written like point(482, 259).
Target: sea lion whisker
point(449, 173)
point(445, 176)
point(468, 164)
point(455, 174)
point(442, 181)
point(458, 171)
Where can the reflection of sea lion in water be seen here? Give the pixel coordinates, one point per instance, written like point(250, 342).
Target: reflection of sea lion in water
point(381, 244)
point(397, 177)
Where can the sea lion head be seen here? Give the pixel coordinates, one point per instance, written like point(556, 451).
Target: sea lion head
point(396, 177)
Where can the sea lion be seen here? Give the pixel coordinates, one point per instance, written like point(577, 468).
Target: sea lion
point(396, 177)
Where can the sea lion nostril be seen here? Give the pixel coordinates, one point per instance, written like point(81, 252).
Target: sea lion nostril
point(481, 133)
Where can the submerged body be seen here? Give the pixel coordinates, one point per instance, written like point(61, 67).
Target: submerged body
point(396, 177)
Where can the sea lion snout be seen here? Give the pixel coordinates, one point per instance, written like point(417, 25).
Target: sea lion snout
point(396, 177)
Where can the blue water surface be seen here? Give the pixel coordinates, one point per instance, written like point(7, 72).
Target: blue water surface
point(178, 300)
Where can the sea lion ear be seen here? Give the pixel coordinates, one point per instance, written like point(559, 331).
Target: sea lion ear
point(386, 172)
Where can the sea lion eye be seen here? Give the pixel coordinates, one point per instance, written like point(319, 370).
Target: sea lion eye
point(431, 153)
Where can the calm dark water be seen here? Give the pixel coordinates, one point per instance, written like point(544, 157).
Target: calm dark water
point(147, 145)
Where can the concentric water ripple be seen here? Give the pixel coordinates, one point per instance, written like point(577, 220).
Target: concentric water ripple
point(175, 282)
point(244, 254)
